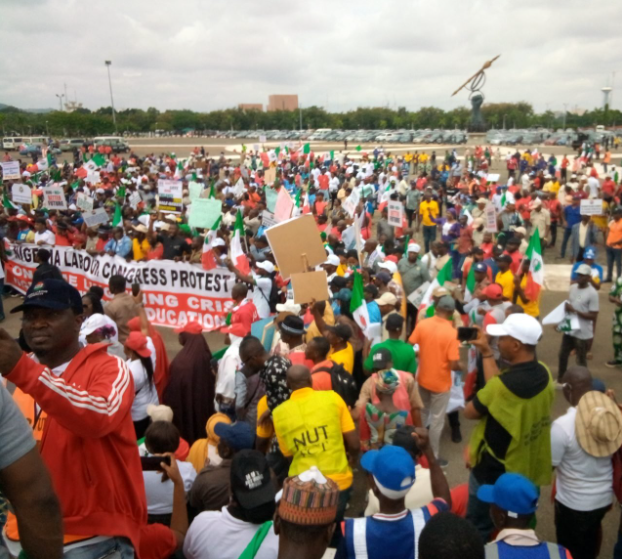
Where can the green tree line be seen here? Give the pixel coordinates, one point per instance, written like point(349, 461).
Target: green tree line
point(84, 122)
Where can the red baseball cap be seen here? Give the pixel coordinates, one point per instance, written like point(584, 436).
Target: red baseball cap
point(493, 291)
point(137, 342)
point(190, 327)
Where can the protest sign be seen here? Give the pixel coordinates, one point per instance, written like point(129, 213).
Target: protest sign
point(271, 196)
point(348, 236)
point(204, 212)
point(296, 244)
point(262, 139)
point(96, 217)
point(194, 190)
point(84, 202)
point(284, 205)
point(396, 213)
point(135, 199)
point(170, 196)
point(264, 331)
point(492, 177)
point(592, 207)
point(21, 194)
point(351, 202)
point(310, 286)
point(490, 218)
point(175, 293)
point(54, 198)
point(267, 219)
point(10, 170)
point(270, 175)
point(93, 178)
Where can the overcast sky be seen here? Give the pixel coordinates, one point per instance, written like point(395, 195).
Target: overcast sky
point(339, 54)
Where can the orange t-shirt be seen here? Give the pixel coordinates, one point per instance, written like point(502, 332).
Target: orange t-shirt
point(438, 346)
point(321, 380)
point(615, 233)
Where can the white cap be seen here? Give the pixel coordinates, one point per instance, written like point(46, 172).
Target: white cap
point(289, 306)
point(387, 298)
point(584, 270)
point(388, 265)
point(218, 242)
point(413, 247)
point(522, 327)
point(332, 260)
point(97, 321)
point(266, 265)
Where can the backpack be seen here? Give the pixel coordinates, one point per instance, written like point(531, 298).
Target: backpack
point(342, 382)
point(275, 294)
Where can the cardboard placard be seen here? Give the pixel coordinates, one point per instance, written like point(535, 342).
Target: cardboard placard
point(96, 217)
point(310, 286)
point(170, 196)
point(194, 190)
point(269, 175)
point(84, 202)
point(592, 207)
point(396, 213)
point(21, 194)
point(293, 238)
point(54, 198)
point(10, 170)
point(204, 212)
point(490, 219)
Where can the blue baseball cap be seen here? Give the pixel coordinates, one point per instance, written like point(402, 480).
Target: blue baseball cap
point(480, 267)
point(53, 294)
point(392, 468)
point(512, 493)
point(589, 253)
point(238, 436)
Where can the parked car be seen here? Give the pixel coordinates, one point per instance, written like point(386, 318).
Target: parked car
point(72, 143)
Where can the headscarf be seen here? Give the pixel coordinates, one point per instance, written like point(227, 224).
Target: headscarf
point(274, 378)
point(387, 381)
point(200, 449)
point(161, 372)
point(190, 390)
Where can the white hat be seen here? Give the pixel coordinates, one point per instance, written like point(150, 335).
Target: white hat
point(100, 191)
point(218, 242)
point(522, 327)
point(387, 298)
point(481, 201)
point(584, 270)
point(97, 321)
point(536, 203)
point(388, 265)
point(144, 219)
point(266, 265)
point(332, 260)
point(289, 306)
point(413, 247)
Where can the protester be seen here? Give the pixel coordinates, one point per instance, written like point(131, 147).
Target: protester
point(122, 307)
point(45, 270)
point(402, 354)
point(447, 536)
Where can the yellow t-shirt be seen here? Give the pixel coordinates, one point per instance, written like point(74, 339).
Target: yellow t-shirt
point(428, 210)
point(263, 431)
point(344, 357)
point(342, 270)
point(139, 249)
point(533, 307)
point(506, 281)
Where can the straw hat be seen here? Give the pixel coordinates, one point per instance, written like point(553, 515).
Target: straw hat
point(598, 425)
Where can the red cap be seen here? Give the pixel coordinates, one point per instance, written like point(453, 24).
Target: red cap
point(493, 291)
point(392, 258)
point(138, 342)
point(190, 327)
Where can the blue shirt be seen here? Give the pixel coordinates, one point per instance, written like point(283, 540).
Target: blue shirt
point(373, 310)
point(597, 267)
point(121, 248)
point(540, 551)
point(572, 215)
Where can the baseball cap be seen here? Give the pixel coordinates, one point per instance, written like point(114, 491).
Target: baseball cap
point(522, 327)
point(341, 331)
point(289, 306)
point(238, 436)
point(137, 342)
point(481, 201)
point(190, 327)
point(493, 291)
point(51, 294)
point(394, 322)
point(218, 242)
point(480, 267)
point(384, 277)
point(512, 493)
point(332, 260)
point(387, 298)
point(505, 258)
point(446, 303)
point(250, 479)
point(343, 295)
point(388, 265)
point(584, 270)
point(95, 322)
point(381, 358)
point(440, 291)
point(589, 253)
point(393, 470)
point(414, 247)
point(266, 265)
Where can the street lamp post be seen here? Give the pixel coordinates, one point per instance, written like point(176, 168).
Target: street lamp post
point(60, 101)
point(114, 117)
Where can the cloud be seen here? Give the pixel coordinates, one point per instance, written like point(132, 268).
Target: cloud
point(340, 55)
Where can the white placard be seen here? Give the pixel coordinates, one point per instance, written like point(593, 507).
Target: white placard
point(96, 217)
point(170, 195)
point(592, 207)
point(262, 139)
point(492, 177)
point(351, 202)
point(135, 199)
point(268, 219)
point(490, 219)
point(396, 213)
point(21, 194)
point(84, 202)
point(54, 198)
point(10, 170)
point(93, 177)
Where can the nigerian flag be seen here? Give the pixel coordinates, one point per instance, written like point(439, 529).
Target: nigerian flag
point(332, 155)
point(445, 275)
point(358, 306)
point(504, 200)
point(358, 148)
point(535, 276)
point(45, 163)
point(98, 159)
point(277, 150)
point(117, 218)
point(306, 148)
point(212, 191)
point(5, 200)
point(470, 284)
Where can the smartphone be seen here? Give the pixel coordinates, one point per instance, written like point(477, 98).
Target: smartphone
point(152, 463)
point(135, 289)
point(467, 334)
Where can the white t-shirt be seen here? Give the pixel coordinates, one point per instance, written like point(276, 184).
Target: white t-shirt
point(593, 185)
point(218, 535)
point(261, 295)
point(145, 393)
point(418, 496)
point(583, 482)
point(151, 348)
point(160, 494)
point(47, 237)
point(333, 184)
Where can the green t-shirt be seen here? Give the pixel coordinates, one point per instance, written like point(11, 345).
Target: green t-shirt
point(403, 356)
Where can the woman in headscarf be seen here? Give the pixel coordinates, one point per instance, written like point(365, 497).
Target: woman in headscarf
point(205, 451)
point(190, 390)
point(98, 328)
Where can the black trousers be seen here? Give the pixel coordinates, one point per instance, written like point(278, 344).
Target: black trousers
point(579, 531)
point(568, 344)
point(553, 233)
point(411, 318)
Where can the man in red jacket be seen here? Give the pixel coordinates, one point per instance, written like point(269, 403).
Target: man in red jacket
point(88, 441)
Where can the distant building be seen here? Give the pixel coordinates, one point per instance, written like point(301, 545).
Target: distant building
point(283, 102)
point(251, 106)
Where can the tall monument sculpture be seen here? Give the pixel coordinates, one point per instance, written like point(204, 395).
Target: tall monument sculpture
point(474, 84)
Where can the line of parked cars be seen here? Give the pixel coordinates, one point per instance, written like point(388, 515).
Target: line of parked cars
point(569, 137)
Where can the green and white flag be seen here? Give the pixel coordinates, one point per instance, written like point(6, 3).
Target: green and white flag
point(470, 284)
point(117, 218)
point(45, 163)
point(445, 275)
point(306, 148)
point(358, 306)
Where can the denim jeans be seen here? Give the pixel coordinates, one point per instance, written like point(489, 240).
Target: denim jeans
point(614, 255)
point(114, 548)
point(566, 238)
point(429, 236)
point(478, 512)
